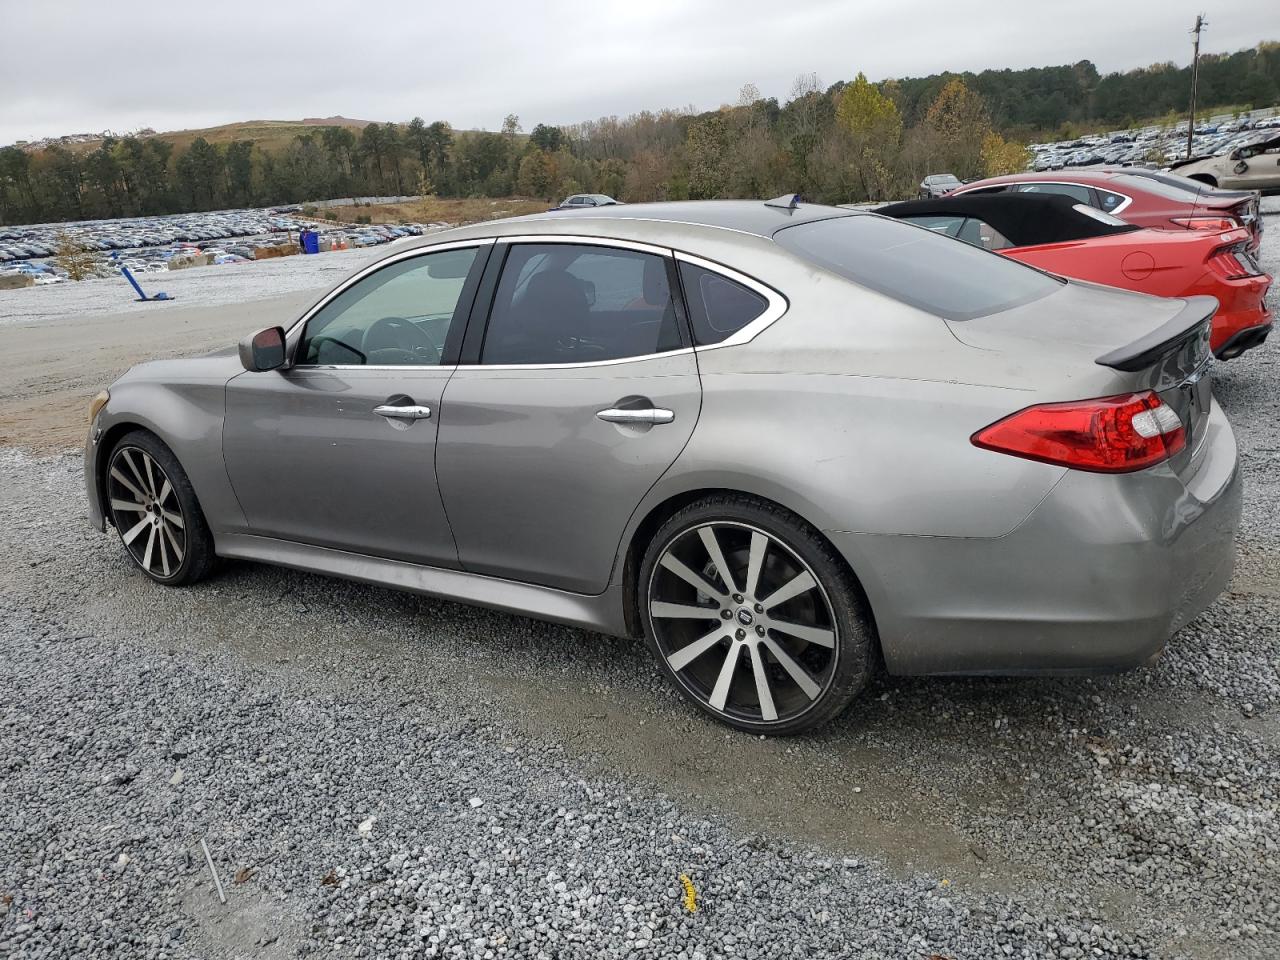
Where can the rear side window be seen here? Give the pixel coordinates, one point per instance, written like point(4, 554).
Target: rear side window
point(916, 266)
point(1109, 201)
point(718, 307)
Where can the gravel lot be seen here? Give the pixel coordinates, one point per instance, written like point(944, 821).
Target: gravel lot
point(378, 774)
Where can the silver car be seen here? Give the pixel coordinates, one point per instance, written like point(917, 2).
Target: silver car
point(784, 443)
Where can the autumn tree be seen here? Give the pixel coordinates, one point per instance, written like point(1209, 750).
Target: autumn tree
point(74, 257)
point(706, 148)
point(959, 121)
point(1000, 156)
point(874, 127)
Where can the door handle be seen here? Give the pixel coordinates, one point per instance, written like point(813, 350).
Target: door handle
point(408, 412)
point(643, 415)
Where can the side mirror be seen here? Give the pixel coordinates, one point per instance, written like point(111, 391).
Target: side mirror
point(263, 350)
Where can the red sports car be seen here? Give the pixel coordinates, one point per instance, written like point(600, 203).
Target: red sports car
point(1148, 198)
point(1071, 239)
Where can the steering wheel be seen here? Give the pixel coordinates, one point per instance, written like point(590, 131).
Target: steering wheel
point(397, 333)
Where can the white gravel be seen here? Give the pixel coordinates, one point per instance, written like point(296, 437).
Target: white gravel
point(378, 774)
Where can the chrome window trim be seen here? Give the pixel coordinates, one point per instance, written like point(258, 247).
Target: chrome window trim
point(303, 367)
point(588, 241)
point(295, 331)
point(777, 303)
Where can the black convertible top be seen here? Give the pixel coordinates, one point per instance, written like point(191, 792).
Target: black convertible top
point(1026, 219)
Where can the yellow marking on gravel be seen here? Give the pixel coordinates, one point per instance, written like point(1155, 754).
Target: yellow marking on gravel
point(690, 894)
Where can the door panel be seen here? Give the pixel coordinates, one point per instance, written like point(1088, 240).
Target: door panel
point(339, 449)
point(310, 460)
point(537, 487)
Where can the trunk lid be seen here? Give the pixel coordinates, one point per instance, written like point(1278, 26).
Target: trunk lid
point(1151, 343)
point(1244, 205)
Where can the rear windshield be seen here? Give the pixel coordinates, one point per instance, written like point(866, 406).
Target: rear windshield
point(929, 271)
point(1184, 188)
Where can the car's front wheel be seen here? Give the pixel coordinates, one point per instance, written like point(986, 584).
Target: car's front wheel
point(155, 511)
point(754, 617)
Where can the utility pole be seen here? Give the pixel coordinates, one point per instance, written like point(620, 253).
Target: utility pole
point(1201, 22)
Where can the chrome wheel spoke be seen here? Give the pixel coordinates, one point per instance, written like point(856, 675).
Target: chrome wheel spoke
point(178, 552)
point(132, 533)
point(165, 490)
point(686, 655)
point(680, 611)
point(164, 550)
point(133, 468)
point(720, 695)
point(790, 590)
point(819, 635)
point(174, 518)
point(691, 577)
point(708, 537)
point(797, 672)
point(126, 483)
point(151, 542)
point(128, 505)
point(147, 466)
point(755, 559)
point(767, 710)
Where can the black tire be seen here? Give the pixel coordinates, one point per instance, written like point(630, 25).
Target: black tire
point(678, 623)
point(178, 548)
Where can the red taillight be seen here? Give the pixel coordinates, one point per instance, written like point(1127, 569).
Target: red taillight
point(1207, 223)
point(1107, 435)
point(1234, 261)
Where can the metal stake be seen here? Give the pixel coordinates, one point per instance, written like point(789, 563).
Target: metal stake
point(209, 860)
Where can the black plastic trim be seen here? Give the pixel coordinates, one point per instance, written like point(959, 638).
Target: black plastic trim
point(1144, 351)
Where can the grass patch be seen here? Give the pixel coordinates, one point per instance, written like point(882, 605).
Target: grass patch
point(455, 210)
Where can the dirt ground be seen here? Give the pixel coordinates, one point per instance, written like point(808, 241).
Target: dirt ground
point(49, 372)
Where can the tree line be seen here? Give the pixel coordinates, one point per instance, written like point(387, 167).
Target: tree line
point(853, 140)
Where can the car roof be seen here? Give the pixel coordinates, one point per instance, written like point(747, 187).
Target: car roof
point(1049, 176)
point(743, 216)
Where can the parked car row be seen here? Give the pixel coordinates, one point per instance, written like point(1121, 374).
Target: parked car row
point(1155, 144)
point(155, 244)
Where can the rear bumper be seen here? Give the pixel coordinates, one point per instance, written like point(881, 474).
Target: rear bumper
point(1243, 340)
point(1094, 581)
point(1242, 310)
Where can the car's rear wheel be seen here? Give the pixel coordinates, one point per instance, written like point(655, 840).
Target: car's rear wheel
point(155, 511)
point(754, 617)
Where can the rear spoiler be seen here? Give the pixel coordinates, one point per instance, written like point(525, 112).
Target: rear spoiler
point(1187, 324)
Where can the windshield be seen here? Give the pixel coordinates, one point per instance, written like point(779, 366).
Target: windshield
point(916, 266)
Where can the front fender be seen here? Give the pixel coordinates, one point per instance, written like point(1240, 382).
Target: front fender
point(187, 415)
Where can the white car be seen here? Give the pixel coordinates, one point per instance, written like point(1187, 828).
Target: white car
point(1252, 166)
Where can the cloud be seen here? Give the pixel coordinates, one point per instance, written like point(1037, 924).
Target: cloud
point(86, 65)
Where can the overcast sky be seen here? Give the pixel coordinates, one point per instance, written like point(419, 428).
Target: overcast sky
point(69, 66)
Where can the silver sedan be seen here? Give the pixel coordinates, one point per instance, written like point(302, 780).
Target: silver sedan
point(784, 443)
